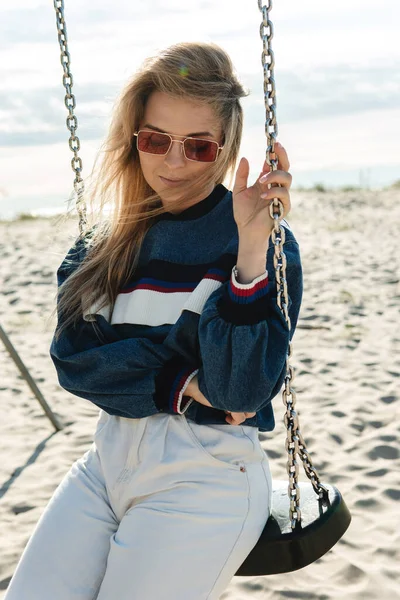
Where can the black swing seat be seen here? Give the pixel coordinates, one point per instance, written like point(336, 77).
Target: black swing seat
point(281, 550)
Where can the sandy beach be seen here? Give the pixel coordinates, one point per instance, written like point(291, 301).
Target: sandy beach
point(346, 355)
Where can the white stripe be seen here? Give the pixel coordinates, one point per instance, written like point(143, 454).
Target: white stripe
point(94, 310)
point(247, 286)
point(182, 393)
point(149, 307)
point(197, 299)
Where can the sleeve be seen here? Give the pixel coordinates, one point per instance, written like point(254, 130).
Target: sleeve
point(244, 338)
point(125, 377)
point(171, 383)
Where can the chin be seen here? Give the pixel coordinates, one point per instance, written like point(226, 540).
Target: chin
point(170, 195)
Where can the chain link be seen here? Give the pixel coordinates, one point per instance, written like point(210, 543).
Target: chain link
point(294, 444)
point(72, 121)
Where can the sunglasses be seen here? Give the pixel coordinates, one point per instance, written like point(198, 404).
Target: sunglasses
point(195, 149)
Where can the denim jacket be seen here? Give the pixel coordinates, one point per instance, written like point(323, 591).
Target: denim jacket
point(183, 313)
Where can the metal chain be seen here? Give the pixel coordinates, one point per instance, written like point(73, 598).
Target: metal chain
point(294, 442)
point(72, 121)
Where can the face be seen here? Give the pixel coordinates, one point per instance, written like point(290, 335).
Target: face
point(169, 174)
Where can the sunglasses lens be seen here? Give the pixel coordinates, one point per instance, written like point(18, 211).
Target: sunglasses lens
point(201, 150)
point(153, 142)
point(159, 143)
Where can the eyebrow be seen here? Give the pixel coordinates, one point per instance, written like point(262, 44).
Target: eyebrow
point(188, 135)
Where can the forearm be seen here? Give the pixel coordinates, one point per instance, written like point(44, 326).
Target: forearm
point(192, 389)
point(251, 261)
point(243, 335)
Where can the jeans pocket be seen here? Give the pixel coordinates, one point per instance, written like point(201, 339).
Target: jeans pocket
point(229, 446)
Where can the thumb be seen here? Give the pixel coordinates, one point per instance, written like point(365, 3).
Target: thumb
point(242, 175)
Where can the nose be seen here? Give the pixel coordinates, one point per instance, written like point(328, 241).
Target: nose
point(175, 156)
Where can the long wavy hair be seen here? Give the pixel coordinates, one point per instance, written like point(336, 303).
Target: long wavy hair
point(122, 207)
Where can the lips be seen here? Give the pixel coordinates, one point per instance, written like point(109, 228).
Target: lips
point(171, 180)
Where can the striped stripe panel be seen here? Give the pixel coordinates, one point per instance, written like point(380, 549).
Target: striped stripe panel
point(246, 293)
point(176, 402)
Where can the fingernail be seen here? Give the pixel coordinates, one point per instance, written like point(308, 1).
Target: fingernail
point(264, 178)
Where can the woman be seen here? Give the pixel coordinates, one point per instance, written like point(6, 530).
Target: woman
point(168, 322)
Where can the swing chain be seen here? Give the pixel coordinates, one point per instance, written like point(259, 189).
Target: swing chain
point(72, 121)
point(294, 444)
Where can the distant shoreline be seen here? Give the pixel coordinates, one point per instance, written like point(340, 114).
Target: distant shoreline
point(47, 213)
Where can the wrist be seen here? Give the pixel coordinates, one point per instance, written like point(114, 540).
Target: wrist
point(250, 265)
point(189, 389)
point(249, 247)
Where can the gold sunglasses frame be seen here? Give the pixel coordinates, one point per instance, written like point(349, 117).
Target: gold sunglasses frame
point(136, 134)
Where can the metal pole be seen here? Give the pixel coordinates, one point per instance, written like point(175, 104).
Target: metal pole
point(28, 378)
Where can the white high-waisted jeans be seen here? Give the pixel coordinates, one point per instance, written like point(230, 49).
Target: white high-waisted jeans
point(159, 508)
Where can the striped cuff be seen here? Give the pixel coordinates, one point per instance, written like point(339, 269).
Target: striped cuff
point(171, 384)
point(178, 402)
point(246, 293)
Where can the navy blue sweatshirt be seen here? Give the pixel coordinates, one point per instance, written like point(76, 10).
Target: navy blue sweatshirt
point(183, 313)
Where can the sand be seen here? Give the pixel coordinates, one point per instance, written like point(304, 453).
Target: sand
point(346, 352)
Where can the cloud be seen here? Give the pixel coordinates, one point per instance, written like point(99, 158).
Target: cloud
point(28, 25)
point(37, 116)
point(331, 91)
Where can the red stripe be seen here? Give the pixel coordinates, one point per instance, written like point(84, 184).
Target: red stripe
point(246, 293)
point(167, 290)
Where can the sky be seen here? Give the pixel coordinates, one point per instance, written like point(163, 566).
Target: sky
point(337, 75)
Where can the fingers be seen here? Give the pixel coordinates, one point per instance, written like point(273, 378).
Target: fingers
point(283, 160)
point(230, 420)
point(277, 192)
point(265, 169)
point(273, 179)
point(281, 192)
point(235, 418)
point(242, 175)
point(276, 177)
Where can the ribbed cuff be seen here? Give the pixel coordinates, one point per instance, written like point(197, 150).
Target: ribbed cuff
point(247, 303)
point(245, 293)
point(170, 387)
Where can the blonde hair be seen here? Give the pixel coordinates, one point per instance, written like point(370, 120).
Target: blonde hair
point(197, 71)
